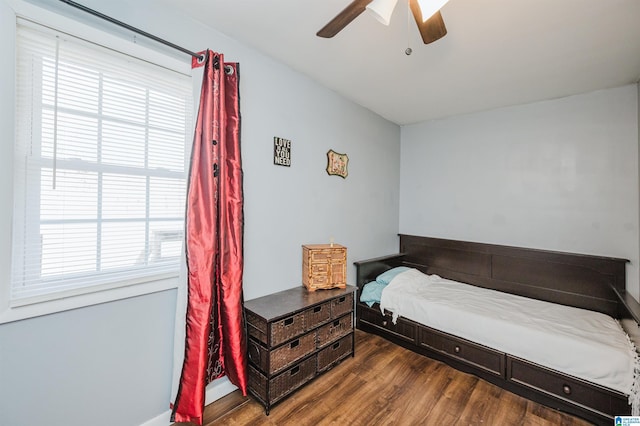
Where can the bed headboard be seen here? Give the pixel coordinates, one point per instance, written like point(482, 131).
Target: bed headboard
point(590, 282)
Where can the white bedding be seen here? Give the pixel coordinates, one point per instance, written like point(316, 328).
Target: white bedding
point(578, 342)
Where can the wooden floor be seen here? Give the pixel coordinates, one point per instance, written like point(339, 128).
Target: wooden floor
point(388, 385)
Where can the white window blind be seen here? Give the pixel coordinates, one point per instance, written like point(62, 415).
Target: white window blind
point(100, 179)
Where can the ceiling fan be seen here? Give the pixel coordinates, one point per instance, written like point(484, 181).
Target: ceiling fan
point(426, 13)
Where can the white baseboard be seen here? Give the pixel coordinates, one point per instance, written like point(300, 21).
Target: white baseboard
point(217, 389)
point(163, 419)
point(214, 392)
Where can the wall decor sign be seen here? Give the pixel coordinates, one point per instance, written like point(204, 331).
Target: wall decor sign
point(337, 164)
point(281, 151)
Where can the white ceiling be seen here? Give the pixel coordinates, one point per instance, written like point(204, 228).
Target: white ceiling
point(496, 52)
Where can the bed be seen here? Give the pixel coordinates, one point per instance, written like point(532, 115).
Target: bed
point(557, 328)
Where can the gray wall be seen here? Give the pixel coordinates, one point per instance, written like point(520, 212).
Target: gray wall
point(111, 363)
point(103, 365)
point(559, 175)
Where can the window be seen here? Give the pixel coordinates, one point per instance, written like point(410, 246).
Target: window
point(99, 181)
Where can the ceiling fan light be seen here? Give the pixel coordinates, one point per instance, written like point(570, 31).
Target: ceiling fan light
point(382, 9)
point(429, 7)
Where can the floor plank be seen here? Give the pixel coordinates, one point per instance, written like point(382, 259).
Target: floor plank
point(385, 384)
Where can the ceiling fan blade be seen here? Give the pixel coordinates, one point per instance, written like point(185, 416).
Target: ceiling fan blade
point(351, 12)
point(433, 28)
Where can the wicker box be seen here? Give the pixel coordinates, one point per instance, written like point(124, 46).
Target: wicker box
point(341, 305)
point(276, 332)
point(332, 354)
point(317, 315)
point(275, 360)
point(272, 390)
point(334, 330)
point(324, 266)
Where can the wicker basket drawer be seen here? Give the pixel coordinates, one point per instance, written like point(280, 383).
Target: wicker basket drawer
point(279, 331)
point(271, 362)
point(330, 355)
point(270, 391)
point(258, 327)
point(599, 399)
point(317, 315)
point(334, 330)
point(341, 305)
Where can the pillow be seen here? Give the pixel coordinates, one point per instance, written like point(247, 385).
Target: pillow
point(386, 277)
point(371, 293)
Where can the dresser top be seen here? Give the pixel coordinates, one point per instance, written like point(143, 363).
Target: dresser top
point(286, 302)
point(322, 246)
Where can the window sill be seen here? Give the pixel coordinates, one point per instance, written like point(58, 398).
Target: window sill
point(17, 313)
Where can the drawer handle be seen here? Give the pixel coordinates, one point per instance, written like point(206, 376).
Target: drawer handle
point(335, 346)
point(566, 389)
point(384, 323)
point(295, 370)
point(254, 352)
point(317, 309)
point(336, 323)
point(457, 349)
point(342, 299)
point(294, 343)
point(288, 321)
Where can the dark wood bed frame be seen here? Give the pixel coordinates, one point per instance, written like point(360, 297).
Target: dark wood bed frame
point(590, 282)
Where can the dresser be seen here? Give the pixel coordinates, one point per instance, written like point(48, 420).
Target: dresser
point(295, 335)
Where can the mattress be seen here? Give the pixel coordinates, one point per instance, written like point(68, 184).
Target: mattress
point(578, 342)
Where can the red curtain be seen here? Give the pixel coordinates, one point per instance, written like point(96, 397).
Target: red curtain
point(215, 341)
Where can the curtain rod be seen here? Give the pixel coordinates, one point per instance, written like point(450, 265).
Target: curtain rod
point(134, 29)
